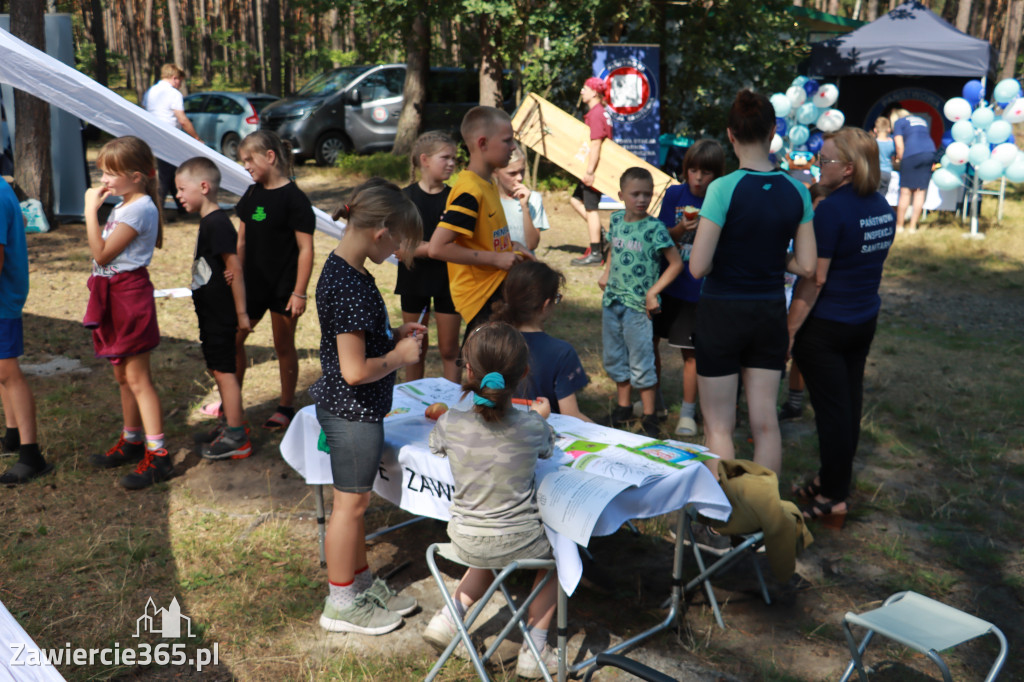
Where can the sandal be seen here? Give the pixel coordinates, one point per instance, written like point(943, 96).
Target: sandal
point(277, 421)
point(808, 491)
point(823, 512)
point(23, 473)
point(215, 409)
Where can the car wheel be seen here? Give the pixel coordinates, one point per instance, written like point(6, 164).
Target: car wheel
point(328, 147)
point(229, 146)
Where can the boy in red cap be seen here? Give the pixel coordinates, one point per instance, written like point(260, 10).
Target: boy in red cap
point(585, 199)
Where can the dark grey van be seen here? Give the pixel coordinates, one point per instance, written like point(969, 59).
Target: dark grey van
point(356, 108)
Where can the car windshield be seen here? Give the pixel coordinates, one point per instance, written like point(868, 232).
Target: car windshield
point(258, 103)
point(331, 82)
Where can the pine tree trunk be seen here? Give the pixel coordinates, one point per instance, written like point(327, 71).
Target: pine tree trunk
point(177, 40)
point(417, 67)
point(1013, 29)
point(261, 67)
point(272, 23)
point(872, 10)
point(963, 15)
point(99, 41)
point(490, 63)
point(33, 172)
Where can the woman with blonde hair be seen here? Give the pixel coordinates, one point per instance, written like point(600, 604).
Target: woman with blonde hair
point(833, 315)
point(915, 151)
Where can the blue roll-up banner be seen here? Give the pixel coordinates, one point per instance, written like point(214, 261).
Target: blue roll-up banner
point(632, 97)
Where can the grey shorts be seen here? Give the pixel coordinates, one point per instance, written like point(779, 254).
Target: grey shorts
point(356, 448)
point(498, 551)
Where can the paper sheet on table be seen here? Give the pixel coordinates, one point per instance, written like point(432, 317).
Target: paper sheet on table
point(571, 501)
point(619, 464)
point(178, 292)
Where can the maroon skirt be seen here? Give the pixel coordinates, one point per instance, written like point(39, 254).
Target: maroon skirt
point(122, 315)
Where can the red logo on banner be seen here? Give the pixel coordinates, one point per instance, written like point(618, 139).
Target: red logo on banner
point(629, 90)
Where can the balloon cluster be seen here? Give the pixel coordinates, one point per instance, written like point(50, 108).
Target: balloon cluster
point(804, 104)
point(981, 137)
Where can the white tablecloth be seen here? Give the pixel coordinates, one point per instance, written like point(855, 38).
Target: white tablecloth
point(421, 483)
point(12, 634)
point(935, 199)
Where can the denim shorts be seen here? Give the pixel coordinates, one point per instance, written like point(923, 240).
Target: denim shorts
point(356, 448)
point(12, 338)
point(498, 551)
point(628, 340)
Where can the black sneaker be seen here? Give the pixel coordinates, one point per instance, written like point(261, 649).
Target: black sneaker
point(206, 437)
point(226, 447)
point(651, 426)
point(155, 466)
point(588, 258)
point(621, 416)
point(789, 413)
point(123, 452)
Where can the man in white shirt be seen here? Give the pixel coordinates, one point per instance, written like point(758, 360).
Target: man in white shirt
point(164, 100)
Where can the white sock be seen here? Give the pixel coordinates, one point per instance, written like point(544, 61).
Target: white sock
point(342, 596)
point(539, 637)
point(363, 579)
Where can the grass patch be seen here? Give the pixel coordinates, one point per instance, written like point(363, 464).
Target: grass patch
point(380, 164)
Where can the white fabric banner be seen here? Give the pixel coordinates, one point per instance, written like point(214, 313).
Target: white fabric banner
point(30, 70)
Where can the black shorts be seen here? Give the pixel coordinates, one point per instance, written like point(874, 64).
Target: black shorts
point(676, 321)
point(732, 335)
point(485, 313)
point(591, 198)
point(416, 304)
point(261, 297)
point(218, 344)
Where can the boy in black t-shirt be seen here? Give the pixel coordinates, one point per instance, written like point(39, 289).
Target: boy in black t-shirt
point(220, 306)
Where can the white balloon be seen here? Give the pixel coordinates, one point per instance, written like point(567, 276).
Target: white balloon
point(957, 109)
point(999, 132)
point(947, 163)
point(982, 117)
point(945, 179)
point(776, 144)
point(796, 95)
point(826, 96)
point(781, 104)
point(963, 131)
point(831, 121)
point(1014, 112)
point(990, 170)
point(978, 154)
point(1005, 154)
point(958, 153)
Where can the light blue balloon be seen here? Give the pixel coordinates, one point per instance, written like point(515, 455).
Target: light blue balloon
point(806, 114)
point(945, 179)
point(978, 154)
point(955, 168)
point(963, 131)
point(1006, 90)
point(781, 104)
point(990, 170)
point(999, 132)
point(799, 134)
point(1015, 173)
point(982, 118)
point(799, 81)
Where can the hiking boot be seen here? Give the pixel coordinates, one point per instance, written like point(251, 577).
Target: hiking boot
point(155, 466)
point(440, 632)
point(226, 447)
point(589, 257)
point(381, 593)
point(621, 416)
point(527, 666)
point(208, 436)
point(686, 426)
point(788, 413)
point(123, 452)
point(651, 426)
point(364, 617)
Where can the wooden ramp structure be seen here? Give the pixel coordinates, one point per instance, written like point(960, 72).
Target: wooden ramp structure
point(565, 140)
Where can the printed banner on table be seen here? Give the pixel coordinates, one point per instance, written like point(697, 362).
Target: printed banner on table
point(632, 97)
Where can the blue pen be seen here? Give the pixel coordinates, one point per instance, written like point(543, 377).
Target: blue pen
point(423, 313)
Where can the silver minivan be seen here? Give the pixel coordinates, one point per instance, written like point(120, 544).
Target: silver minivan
point(356, 109)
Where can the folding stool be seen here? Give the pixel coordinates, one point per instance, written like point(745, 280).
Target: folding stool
point(923, 624)
point(750, 544)
point(518, 615)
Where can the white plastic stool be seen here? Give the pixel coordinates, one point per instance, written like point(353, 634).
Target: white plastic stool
point(922, 624)
point(517, 615)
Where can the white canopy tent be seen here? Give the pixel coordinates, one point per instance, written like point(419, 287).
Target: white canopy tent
point(30, 70)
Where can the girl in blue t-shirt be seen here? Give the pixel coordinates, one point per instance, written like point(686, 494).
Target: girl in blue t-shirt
point(704, 162)
point(530, 295)
point(359, 353)
point(746, 224)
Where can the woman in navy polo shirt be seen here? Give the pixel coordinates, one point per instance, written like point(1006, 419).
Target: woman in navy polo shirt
point(833, 314)
point(746, 223)
point(915, 151)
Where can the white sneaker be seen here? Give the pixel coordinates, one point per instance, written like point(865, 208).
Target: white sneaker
point(440, 632)
point(527, 666)
point(686, 426)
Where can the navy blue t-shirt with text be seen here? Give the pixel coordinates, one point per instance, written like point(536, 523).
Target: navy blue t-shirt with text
point(856, 233)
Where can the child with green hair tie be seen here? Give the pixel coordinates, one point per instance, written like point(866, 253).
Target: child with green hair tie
point(493, 451)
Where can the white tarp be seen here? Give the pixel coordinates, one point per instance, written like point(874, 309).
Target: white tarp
point(36, 73)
